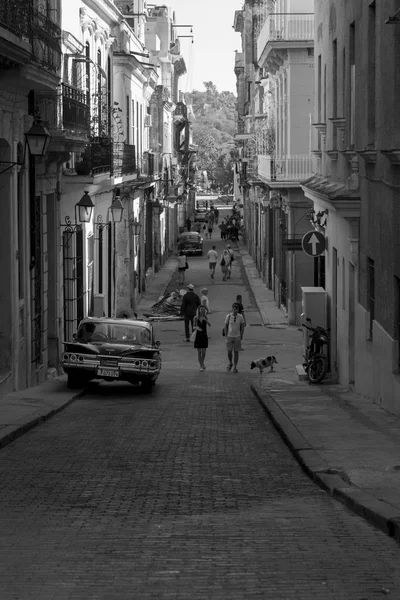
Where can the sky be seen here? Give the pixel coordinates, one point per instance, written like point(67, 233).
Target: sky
point(212, 56)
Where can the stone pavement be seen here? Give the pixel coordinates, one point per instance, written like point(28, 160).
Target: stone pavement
point(347, 445)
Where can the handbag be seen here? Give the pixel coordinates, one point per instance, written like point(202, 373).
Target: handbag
point(227, 325)
point(193, 336)
point(222, 262)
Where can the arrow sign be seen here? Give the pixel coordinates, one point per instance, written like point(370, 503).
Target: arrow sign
point(313, 243)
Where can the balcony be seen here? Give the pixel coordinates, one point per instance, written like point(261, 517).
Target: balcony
point(35, 28)
point(117, 158)
point(283, 30)
point(284, 168)
point(65, 112)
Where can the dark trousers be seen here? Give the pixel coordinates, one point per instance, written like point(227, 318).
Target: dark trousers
point(187, 321)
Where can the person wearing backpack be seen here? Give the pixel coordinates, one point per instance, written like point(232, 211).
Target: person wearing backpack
point(225, 264)
point(233, 331)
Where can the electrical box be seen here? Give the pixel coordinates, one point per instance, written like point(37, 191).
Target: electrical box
point(315, 307)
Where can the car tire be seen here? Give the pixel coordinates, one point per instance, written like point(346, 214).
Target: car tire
point(147, 386)
point(76, 381)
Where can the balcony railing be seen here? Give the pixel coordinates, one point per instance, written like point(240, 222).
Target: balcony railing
point(285, 27)
point(284, 168)
point(116, 157)
point(66, 109)
point(28, 23)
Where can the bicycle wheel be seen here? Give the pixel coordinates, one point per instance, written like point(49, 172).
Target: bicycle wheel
point(318, 368)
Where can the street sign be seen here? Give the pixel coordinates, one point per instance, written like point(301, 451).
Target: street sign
point(313, 243)
point(292, 244)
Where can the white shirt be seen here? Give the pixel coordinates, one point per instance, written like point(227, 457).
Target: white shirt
point(212, 256)
point(181, 261)
point(205, 302)
point(234, 324)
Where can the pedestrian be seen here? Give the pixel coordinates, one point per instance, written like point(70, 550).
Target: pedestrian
point(182, 266)
point(201, 323)
point(189, 306)
point(223, 230)
point(210, 227)
point(239, 302)
point(205, 300)
point(231, 259)
point(188, 224)
point(225, 263)
point(216, 214)
point(233, 329)
point(212, 260)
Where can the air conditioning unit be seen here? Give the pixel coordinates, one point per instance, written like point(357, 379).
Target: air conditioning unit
point(148, 121)
point(99, 305)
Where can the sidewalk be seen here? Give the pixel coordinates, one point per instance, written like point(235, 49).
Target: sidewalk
point(347, 445)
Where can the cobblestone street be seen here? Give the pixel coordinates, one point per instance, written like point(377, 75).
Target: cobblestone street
point(187, 493)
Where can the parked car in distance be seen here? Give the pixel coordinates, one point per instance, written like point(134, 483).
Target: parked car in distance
point(112, 349)
point(200, 215)
point(190, 242)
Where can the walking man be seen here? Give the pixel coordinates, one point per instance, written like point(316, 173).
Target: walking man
point(234, 328)
point(212, 260)
point(190, 303)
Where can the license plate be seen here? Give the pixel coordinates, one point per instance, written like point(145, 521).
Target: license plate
point(104, 372)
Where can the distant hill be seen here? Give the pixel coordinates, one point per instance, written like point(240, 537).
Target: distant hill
point(213, 127)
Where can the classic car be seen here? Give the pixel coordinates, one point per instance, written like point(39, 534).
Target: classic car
point(190, 242)
point(112, 349)
point(200, 215)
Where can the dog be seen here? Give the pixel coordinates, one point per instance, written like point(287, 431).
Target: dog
point(263, 363)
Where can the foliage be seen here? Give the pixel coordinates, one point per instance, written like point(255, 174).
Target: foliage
point(213, 130)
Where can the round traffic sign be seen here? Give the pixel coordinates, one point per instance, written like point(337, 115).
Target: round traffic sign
point(313, 243)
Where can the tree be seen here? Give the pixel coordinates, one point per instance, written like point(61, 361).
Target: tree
point(213, 130)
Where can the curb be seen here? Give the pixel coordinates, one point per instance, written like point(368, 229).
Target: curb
point(12, 432)
point(377, 512)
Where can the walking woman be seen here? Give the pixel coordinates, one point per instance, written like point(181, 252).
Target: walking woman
point(201, 342)
point(225, 264)
point(182, 266)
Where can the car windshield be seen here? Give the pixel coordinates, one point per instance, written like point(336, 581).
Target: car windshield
point(121, 333)
point(190, 236)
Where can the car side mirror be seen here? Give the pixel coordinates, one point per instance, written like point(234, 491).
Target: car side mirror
point(157, 344)
point(308, 319)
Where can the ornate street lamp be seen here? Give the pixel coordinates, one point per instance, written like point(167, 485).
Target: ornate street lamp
point(37, 139)
point(85, 208)
point(116, 210)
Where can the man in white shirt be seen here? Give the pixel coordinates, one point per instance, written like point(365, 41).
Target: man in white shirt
point(212, 260)
point(234, 328)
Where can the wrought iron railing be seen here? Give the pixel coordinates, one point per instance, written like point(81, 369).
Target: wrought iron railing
point(28, 23)
point(116, 157)
point(64, 109)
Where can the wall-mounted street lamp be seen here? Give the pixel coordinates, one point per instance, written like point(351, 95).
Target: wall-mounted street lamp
point(37, 139)
point(84, 208)
point(134, 225)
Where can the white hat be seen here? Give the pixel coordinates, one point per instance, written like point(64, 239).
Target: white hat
point(190, 286)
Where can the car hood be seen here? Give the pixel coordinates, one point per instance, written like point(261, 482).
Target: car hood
point(109, 349)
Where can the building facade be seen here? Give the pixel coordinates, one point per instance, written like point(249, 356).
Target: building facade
point(355, 189)
point(275, 105)
point(87, 225)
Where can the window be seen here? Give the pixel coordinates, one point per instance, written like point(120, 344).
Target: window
point(128, 125)
point(334, 79)
point(319, 88)
point(352, 95)
point(371, 294)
